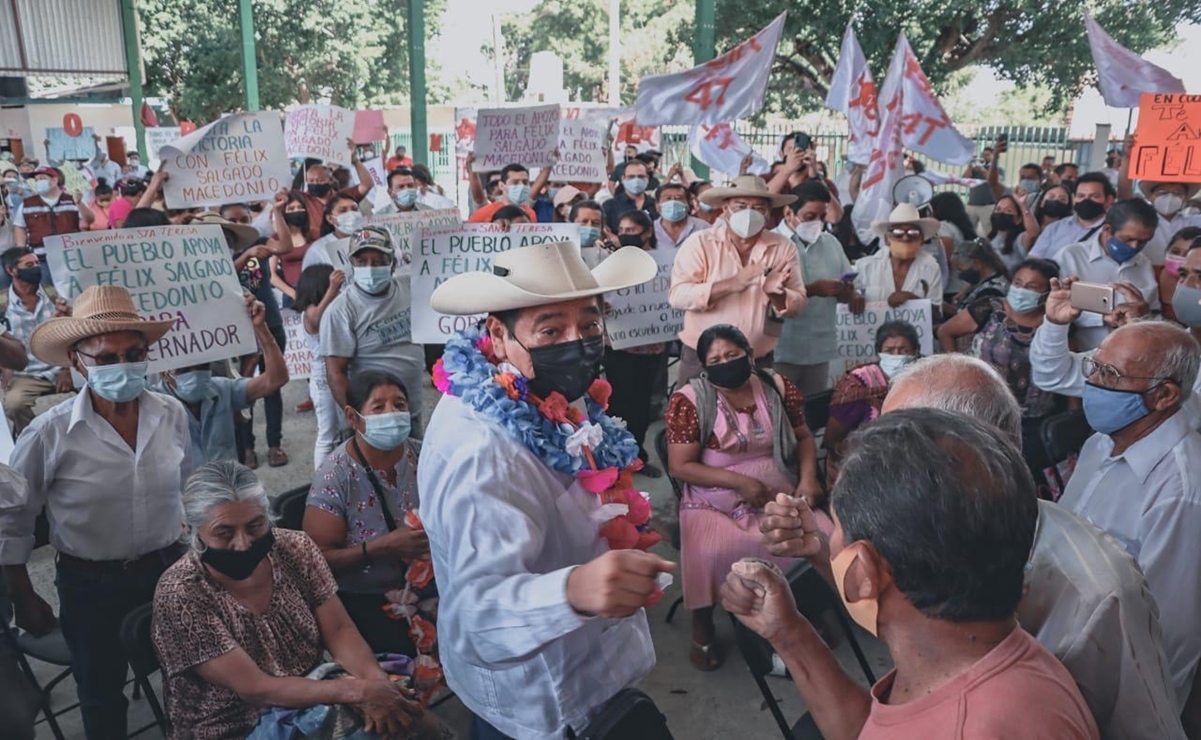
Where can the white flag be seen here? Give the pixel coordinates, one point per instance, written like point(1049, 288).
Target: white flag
point(727, 88)
point(723, 149)
point(925, 126)
point(853, 93)
point(945, 178)
point(1123, 75)
point(887, 164)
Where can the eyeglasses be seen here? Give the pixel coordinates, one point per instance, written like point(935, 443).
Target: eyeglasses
point(137, 354)
point(1109, 376)
point(905, 235)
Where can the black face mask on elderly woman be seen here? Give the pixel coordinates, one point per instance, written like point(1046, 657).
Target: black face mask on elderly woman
point(238, 564)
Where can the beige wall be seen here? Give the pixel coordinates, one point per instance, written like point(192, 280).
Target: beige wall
point(30, 122)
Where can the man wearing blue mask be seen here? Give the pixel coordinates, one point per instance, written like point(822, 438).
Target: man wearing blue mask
point(403, 193)
point(1113, 254)
point(108, 466)
point(631, 195)
point(369, 325)
point(515, 190)
point(674, 225)
point(1137, 477)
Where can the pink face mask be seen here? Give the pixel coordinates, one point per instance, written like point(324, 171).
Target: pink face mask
point(1172, 264)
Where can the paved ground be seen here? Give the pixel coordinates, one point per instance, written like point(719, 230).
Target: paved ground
point(721, 704)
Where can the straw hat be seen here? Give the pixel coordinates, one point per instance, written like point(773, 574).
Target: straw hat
point(906, 215)
point(1148, 187)
point(101, 309)
point(238, 236)
point(746, 186)
point(539, 275)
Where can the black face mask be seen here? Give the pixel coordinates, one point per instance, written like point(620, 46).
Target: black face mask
point(1003, 221)
point(630, 240)
point(970, 275)
point(1056, 208)
point(31, 275)
point(730, 375)
point(568, 368)
point(239, 564)
point(299, 219)
point(318, 190)
point(1089, 210)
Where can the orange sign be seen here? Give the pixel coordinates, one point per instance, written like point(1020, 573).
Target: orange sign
point(72, 124)
point(1168, 146)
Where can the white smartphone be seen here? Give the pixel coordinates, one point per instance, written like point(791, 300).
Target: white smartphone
point(1092, 297)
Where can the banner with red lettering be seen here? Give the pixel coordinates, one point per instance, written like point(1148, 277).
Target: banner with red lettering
point(1123, 75)
point(886, 165)
point(853, 93)
point(723, 149)
point(727, 88)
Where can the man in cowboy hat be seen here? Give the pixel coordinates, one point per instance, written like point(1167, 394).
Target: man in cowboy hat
point(1169, 199)
point(540, 622)
point(901, 272)
point(109, 467)
point(737, 273)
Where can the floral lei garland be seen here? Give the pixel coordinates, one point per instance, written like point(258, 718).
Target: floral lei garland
point(597, 450)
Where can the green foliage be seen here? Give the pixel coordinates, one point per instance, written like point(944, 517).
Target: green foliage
point(350, 53)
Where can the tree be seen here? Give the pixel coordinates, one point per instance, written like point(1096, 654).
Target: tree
point(346, 52)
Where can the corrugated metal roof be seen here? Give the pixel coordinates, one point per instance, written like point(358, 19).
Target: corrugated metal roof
point(61, 37)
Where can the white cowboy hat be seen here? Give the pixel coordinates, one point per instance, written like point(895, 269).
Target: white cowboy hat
point(746, 186)
point(101, 309)
point(238, 236)
point(539, 275)
point(906, 215)
point(1148, 186)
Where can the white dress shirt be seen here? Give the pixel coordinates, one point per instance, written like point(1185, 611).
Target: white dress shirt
point(1055, 236)
point(1087, 602)
point(505, 532)
point(1149, 499)
point(104, 500)
point(876, 281)
point(1090, 262)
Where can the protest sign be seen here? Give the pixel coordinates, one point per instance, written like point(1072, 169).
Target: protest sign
point(76, 180)
point(506, 135)
point(156, 138)
point(441, 253)
point(857, 334)
point(402, 226)
point(320, 132)
point(641, 315)
point(582, 155)
point(369, 126)
point(1168, 147)
point(237, 159)
point(183, 273)
point(63, 146)
point(297, 355)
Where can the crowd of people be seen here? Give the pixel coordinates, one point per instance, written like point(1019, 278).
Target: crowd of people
point(498, 546)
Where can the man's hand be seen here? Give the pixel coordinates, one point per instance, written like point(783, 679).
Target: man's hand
point(280, 200)
point(63, 382)
point(826, 288)
point(857, 304)
point(406, 543)
point(337, 279)
point(789, 528)
point(745, 165)
point(1059, 302)
point(677, 170)
point(899, 297)
point(1135, 306)
point(61, 307)
point(34, 615)
point(757, 593)
point(616, 584)
point(387, 711)
point(257, 312)
point(773, 284)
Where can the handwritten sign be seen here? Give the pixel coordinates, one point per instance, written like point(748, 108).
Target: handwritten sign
point(402, 226)
point(1169, 139)
point(582, 154)
point(76, 180)
point(507, 135)
point(857, 334)
point(297, 355)
point(237, 159)
point(319, 132)
point(369, 126)
point(156, 138)
point(443, 252)
point(64, 146)
point(183, 273)
point(641, 315)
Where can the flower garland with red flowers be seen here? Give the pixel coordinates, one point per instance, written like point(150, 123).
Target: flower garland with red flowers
point(594, 448)
point(417, 604)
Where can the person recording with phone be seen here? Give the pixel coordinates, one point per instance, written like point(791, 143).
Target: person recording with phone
point(798, 163)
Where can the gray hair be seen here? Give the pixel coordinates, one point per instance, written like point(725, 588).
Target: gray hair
point(955, 382)
point(1175, 353)
point(219, 482)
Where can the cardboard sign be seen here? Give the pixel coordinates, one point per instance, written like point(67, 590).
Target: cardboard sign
point(641, 315)
point(182, 273)
point(369, 126)
point(1168, 147)
point(528, 136)
point(64, 146)
point(156, 139)
point(238, 159)
point(76, 180)
point(402, 226)
point(582, 155)
point(297, 355)
point(857, 334)
point(320, 132)
point(441, 253)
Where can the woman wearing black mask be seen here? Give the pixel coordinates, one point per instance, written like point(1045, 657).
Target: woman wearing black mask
point(289, 244)
point(1012, 230)
point(985, 275)
point(1054, 204)
point(736, 437)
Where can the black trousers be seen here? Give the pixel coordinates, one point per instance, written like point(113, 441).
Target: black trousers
point(634, 378)
point(382, 633)
point(273, 404)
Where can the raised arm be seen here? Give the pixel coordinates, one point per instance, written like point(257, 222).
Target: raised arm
point(275, 372)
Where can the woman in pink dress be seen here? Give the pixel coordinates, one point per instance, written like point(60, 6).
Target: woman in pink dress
point(736, 437)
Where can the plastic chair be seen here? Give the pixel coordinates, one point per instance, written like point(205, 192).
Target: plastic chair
point(139, 651)
point(288, 508)
point(1064, 435)
point(814, 597)
point(51, 649)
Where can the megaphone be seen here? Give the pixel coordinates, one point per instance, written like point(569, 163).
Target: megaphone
point(914, 190)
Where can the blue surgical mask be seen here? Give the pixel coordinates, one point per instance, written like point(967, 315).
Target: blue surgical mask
point(1030, 186)
point(118, 383)
point(634, 185)
point(1186, 303)
point(1023, 300)
point(893, 364)
point(673, 210)
point(387, 431)
point(553, 192)
point(518, 194)
point(706, 207)
point(406, 198)
point(1109, 410)
point(374, 280)
point(42, 186)
point(1120, 250)
point(589, 235)
point(193, 387)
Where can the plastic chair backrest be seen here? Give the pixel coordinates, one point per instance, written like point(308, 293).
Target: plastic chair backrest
point(288, 508)
point(137, 641)
point(1063, 435)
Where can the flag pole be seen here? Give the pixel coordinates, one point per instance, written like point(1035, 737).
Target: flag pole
point(1129, 121)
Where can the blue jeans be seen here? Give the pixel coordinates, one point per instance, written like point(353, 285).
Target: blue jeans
point(481, 730)
point(91, 608)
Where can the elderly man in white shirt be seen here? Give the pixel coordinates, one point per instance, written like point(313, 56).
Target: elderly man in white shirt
point(900, 271)
point(1092, 197)
point(541, 620)
point(108, 466)
point(1137, 477)
point(1115, 254)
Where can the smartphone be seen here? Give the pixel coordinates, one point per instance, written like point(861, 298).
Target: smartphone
point(802, 141)
point(849, 277)
point(1092, 297)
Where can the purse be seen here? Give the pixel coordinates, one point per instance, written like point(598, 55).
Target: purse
point(629, 715)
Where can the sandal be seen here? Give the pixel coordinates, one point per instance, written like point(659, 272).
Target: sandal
point(706, 657)
point(250, 459)
point(276, 457)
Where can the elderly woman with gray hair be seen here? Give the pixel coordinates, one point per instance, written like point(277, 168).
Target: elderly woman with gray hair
point(248, 612)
